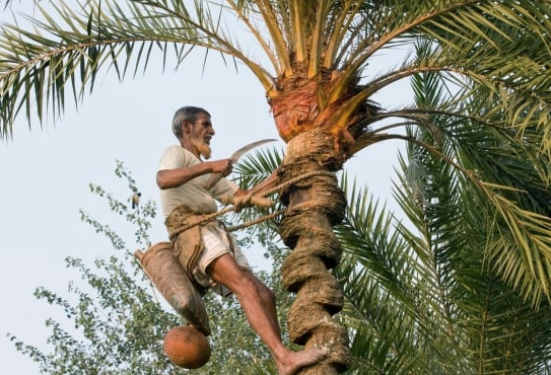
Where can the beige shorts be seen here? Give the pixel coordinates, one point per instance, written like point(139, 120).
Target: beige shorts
point(217, 242)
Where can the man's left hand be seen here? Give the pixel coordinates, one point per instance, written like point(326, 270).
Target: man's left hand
point(242, 200)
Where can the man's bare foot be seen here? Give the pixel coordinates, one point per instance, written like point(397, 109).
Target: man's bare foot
point(293, 361)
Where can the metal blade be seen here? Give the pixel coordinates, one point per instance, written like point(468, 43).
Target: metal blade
point(243, 150)
point(235, 158)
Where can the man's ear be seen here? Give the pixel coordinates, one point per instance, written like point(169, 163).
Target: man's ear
point(186, 127)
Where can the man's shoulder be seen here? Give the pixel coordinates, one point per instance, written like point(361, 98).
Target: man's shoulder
point(176, 150)
point(176, 156)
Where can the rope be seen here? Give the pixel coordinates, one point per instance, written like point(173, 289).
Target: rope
point(294, 180)
point(250, 198)
point(256, 221)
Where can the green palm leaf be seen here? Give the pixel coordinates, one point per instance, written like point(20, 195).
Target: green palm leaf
point(249, 172)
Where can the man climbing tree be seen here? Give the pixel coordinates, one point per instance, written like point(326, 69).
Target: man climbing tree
point(207, 252)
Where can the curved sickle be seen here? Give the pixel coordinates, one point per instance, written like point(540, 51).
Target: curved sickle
point(235, 158)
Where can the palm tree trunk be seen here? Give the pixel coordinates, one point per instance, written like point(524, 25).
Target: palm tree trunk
point(314, 206)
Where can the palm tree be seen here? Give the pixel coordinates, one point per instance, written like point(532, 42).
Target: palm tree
point(424, 295)
point(420, 298)
point(319, 87)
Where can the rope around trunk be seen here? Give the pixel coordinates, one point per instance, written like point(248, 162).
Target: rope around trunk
point(251, 198)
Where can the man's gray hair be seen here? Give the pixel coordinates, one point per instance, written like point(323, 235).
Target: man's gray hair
point(188, 113)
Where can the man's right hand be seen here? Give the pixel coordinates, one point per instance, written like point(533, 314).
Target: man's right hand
point(222, 166)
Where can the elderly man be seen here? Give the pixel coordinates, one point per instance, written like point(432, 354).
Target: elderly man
point(208, 253)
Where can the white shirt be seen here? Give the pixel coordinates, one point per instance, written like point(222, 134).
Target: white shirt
point(192, 194)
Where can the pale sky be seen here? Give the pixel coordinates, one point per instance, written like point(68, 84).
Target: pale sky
point(46, 173)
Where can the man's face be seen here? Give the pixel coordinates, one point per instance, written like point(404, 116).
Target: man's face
point(201, 134)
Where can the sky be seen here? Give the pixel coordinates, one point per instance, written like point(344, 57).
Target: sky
point(46, 172)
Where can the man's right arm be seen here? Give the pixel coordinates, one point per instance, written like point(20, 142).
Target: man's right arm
point(171, 178)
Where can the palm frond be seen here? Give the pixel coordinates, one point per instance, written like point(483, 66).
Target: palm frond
point(69, 45)
point(378, 281)
point(503, 48)
point(252, 170)
point(458, 223)
point(437, 284)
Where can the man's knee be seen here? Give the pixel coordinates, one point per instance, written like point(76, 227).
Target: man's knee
point(238, 280)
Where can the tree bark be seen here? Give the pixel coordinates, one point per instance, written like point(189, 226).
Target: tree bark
point(314, 204)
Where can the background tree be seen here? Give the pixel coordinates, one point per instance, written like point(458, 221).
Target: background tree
point(318, 83)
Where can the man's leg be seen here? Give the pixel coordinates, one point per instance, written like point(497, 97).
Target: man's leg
point(258, 303)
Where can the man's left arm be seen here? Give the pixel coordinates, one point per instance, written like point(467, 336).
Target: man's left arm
point(228, 193)
point(266, 184)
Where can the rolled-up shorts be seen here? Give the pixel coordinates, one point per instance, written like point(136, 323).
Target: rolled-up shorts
point(217, 242)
